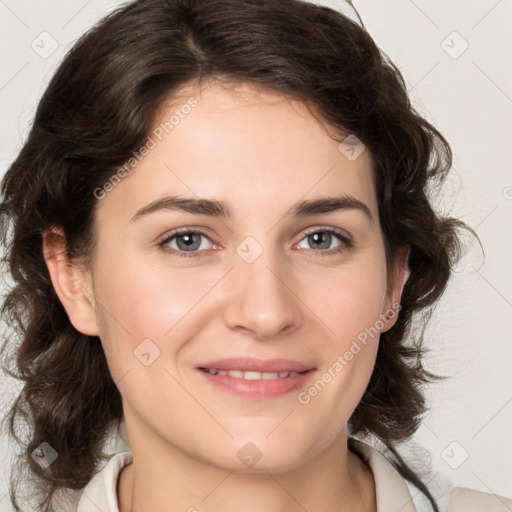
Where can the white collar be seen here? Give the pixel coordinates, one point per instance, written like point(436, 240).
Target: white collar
point(391, 492)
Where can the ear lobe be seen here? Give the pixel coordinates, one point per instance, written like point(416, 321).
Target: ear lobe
point(396, 285)
point(72, 283)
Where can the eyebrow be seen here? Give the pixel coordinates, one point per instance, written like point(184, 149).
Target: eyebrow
point(220, 209)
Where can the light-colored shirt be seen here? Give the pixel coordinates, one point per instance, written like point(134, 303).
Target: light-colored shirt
point(391, 491)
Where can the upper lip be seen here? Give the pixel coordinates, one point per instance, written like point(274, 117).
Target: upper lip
point(256, 365)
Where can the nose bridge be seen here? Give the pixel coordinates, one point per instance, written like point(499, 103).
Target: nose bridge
point(262, 301)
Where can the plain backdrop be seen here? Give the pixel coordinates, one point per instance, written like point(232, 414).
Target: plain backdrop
point(455, 57)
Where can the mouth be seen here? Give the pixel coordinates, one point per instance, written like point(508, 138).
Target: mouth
point(251, 378)
point(251, 375)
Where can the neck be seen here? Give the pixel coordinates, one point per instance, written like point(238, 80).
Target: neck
point(335, 479)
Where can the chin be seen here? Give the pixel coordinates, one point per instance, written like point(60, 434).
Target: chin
point(260, 455)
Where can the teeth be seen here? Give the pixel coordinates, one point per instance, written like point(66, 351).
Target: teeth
point(250, 375)
point(253, 375)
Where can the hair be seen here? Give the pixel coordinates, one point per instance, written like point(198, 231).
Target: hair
point(98, 110)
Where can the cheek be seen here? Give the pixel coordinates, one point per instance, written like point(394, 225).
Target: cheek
point(351, 298)
point(148, 300)
point(140, 302)
point(350, 304)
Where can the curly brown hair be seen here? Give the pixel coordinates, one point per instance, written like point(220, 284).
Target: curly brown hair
point(99, 108)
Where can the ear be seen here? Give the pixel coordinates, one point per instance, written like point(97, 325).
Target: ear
point(396, 282)
point(72, 283)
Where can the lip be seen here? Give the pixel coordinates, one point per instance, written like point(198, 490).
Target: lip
point(259, 388)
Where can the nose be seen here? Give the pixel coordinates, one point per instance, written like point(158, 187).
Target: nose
point(262, 301)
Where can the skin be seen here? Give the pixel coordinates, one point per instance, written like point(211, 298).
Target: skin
point(260, 153)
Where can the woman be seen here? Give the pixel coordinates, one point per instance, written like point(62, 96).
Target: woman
point(162, 222)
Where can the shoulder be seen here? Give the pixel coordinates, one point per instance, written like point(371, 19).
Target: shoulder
point(394, 493)
point(469, 500)
point(101, 491)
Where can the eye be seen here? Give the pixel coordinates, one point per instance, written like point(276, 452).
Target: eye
point(188, 242)
point(321, 239)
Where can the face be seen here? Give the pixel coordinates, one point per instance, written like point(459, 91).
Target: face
point(249, 332)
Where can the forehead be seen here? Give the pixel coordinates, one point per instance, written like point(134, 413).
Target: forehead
point(245, 146)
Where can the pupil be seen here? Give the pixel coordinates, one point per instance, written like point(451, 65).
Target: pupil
point(188, 241)
point(317, 238)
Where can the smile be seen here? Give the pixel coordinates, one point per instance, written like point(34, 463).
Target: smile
point(252, 375)
point(252, 384)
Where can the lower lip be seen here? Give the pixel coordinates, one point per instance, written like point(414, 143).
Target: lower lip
point(261, 388)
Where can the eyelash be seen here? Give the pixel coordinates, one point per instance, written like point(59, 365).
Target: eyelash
point(346, 243)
